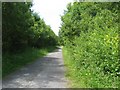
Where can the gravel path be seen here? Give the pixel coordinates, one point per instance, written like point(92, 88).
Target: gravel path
point(47, 72)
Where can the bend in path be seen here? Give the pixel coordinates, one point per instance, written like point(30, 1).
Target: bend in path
point(47, 72)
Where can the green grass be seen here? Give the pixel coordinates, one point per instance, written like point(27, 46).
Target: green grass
point(70, 72)
point(12, 62)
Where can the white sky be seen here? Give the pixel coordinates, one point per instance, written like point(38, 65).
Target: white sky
point(50, 11)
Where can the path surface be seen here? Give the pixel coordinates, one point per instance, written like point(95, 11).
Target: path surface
point(47, 72)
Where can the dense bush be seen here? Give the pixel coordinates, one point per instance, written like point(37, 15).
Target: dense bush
point(23, 31)
point(90, 33)
point(21, 28)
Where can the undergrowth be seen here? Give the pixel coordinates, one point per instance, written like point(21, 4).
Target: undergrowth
point(14, 61)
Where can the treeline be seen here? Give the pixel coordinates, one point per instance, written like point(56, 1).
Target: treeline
point(22, 28)
point(89, 33)
point(25, 36)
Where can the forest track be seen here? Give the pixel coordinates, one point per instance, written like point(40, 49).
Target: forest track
point(46, 72)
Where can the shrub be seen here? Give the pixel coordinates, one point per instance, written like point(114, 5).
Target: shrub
point(94, 52)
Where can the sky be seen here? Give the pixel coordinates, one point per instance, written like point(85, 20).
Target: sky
point(50, 11)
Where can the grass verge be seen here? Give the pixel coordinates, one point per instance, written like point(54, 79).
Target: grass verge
point(12, 62)
point(70, 71)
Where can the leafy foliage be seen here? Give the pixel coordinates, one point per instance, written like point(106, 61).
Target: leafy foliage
point(23, 33)
point(22, 28)
point(90, 33)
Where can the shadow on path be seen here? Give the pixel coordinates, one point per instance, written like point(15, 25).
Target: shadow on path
point(47, 72)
